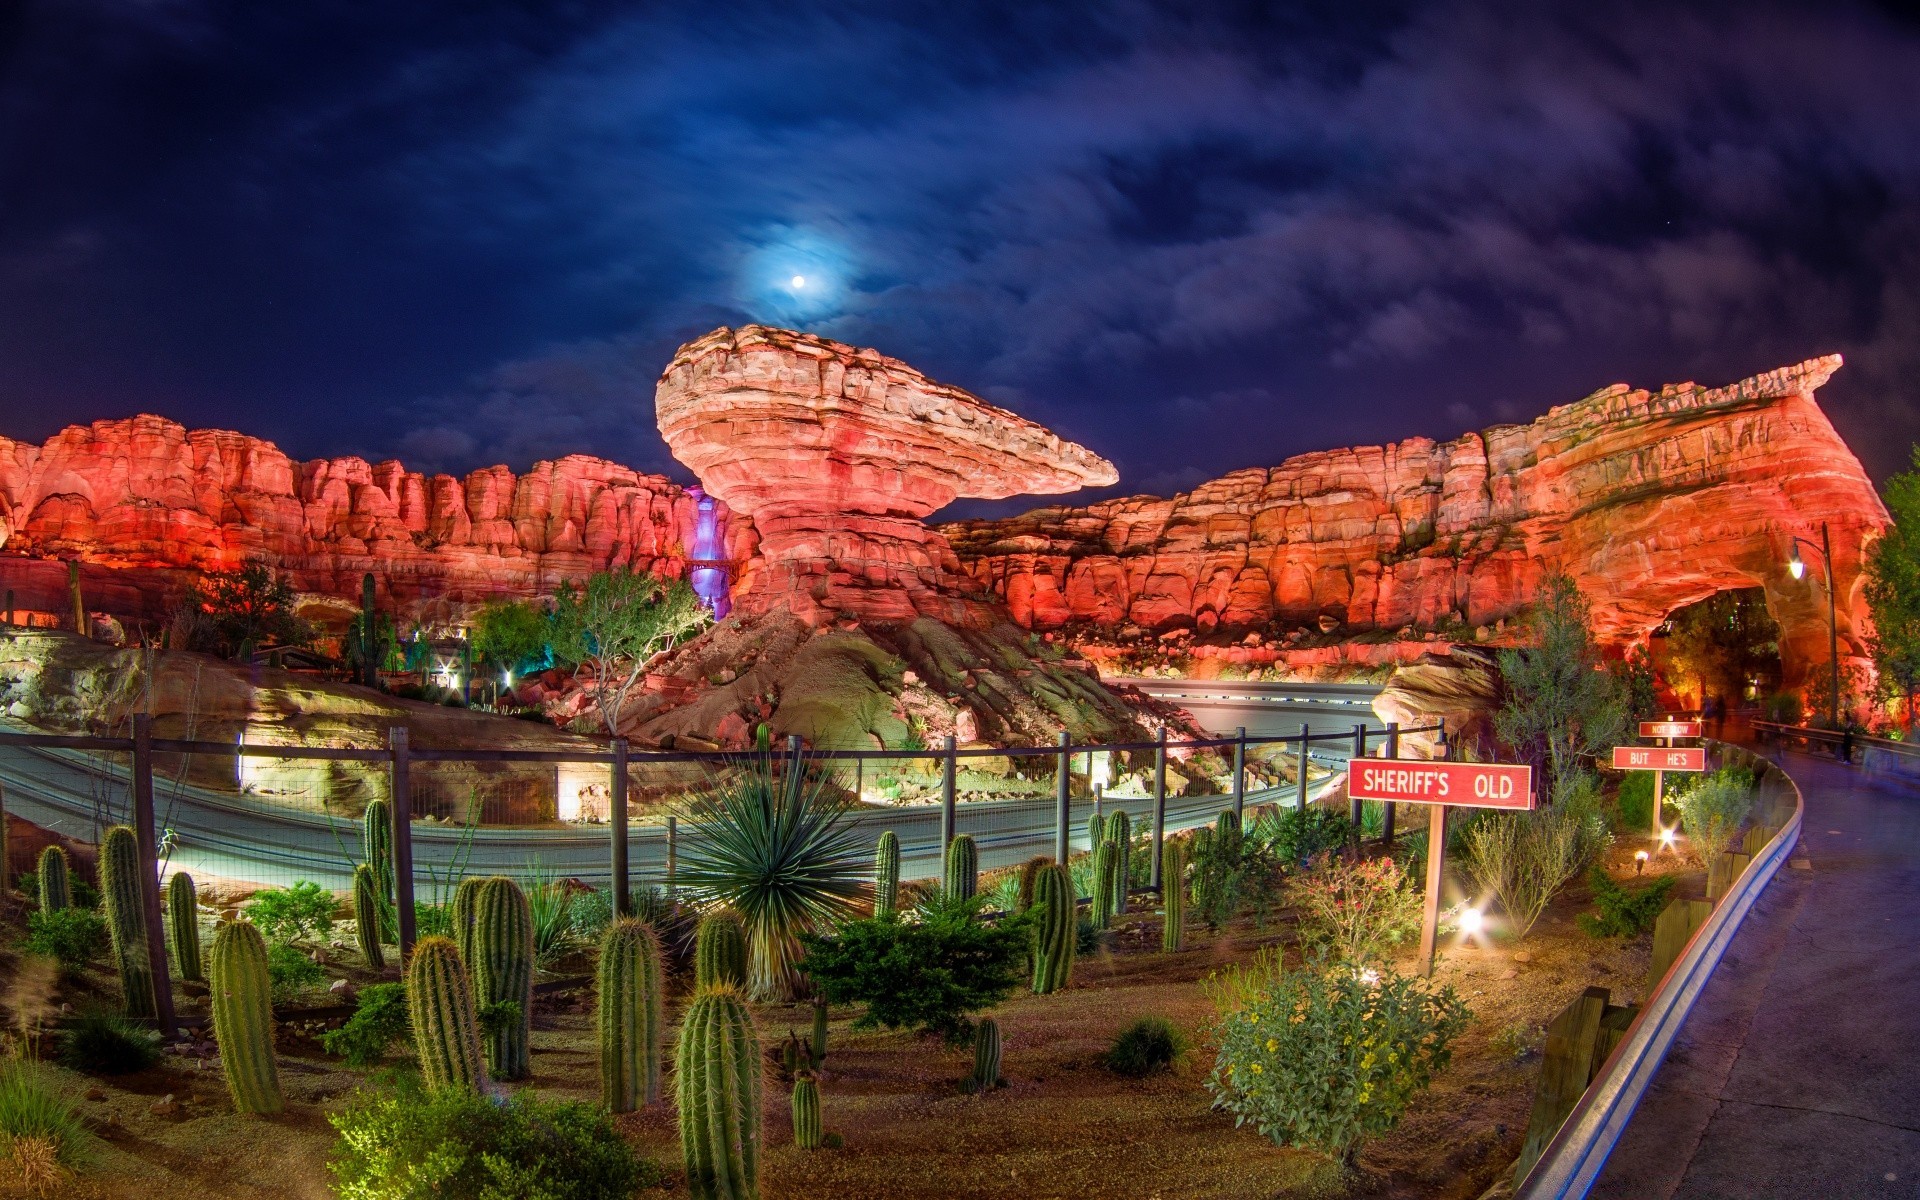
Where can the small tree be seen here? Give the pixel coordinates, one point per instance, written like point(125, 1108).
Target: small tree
point(1562, 706)
point(1893, 589)
point(1724, 640)
point(227, 612)
point(615, 623)
point(510, 634)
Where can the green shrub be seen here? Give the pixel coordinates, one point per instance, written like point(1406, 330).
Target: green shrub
point(591, 913)
point(282, 915)
point(85, 895)
point(1144, 1047)
point(73, 936)
point(432, 920)
point(1633, 804)
point(1294, 835)
point(102, 1042)
point(1713, 808)
point(400, 1143)
point(1623, 912)
point(379, 1020)
point(550, 907)
point(1325, 1056)
point(1525, 858)
point(926, 970)
point(1361, 910)
point(42, 1135)
point(1783, 708)
point(290, 970)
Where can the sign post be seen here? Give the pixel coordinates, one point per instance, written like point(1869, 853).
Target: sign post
point(1439, 785)
point(1664, 732)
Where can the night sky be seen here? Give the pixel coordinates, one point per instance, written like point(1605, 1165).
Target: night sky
point(1195, 237)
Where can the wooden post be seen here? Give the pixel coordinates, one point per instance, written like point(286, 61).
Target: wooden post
point(1672, 929)
point(145, 843)
point(1063, 798)
point(1159, 806)
point(1566, 1066)
point(399, 782)
point(1722, 871)
point(1302, 781)
point(1436, 868)
point(1659, 788)
point(949, 769)
point(617, 819)
point(1240, 773)
point(1392, 751)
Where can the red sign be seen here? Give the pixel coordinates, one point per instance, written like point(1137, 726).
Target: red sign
point(1670, 729)
point(1659, 758)
point(1459, 785)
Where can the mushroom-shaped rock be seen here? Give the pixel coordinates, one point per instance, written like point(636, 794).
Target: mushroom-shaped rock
point(839, 454)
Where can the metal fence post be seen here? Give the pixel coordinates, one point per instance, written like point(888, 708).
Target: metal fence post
point(1355, 810)
point(1063, 797)
point(949, 769)
point(673, 859)
point(401, 784)
point(150, 871)
point(1305, 734)
point(794, 766)
point(1392, 751)
point(1159, 804)
point(617, 817)
point(1240, 772)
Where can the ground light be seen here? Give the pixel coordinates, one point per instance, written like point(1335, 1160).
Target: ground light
point(1666, 840)
point(1639, 861)
point(1472, 921)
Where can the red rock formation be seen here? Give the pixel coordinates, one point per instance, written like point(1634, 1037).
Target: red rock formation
point(838, 454)
point(149, 497)
point(1650, 500)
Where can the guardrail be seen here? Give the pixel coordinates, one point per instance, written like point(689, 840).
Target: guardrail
point(1842, 742)
point(1574, 1158)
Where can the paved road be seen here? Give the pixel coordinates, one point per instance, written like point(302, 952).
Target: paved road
point(1798, 1074)
point(1271, 709)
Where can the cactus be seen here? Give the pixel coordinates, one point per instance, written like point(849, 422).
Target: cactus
point(806, 1111)
point(793, 1054)
point(1173, 895)
point(962, 878)
point(366, 916)
point(183, 919)
point(377, 845)
point(1029, 872)
point(1096, 831)
point(1227, 832)
point(123, 895)
point(719, 952)
point(446, 1032)
point(56, 888)
point(629, 1014)
point(463, 898)
point(368, 636)
point(1105, 862)
point(819, 1047)
point(241, 993)
point(1120, 833)
point(503, 972)
point(886, 875)
point(986, 1054)
point(1058, 930)
point(717, 1089)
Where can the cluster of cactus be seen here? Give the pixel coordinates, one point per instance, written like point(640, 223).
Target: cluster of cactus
point(630, 1015)
point(1173, 895)
point(56, 879)
point(241, 993)
point(986, 1054)
point(719, 952)
point(1120, 836)
point(886, 875)
point(446, 1028)
point(366, 916)
point(123, 894)
point(1057, 931)
point(183, 921)
point(1106, 862)
point(502, 967)
point(806, 1111)
point(962, 876)
point(717, 1073)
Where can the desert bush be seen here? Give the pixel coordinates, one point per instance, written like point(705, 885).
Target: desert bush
point(85, 895)
point(926, 970)
point(289, 970)
point(301, 912)
point(432, 920)
point(1713, 808)
point(1633, 803)
point(1525, 858)
point(1294, 835)
point(379, 1020)
point(1359, 911)
point(550, 906)
point(400, 1143)
point(42, 1135)
point(72, 936)
point(1325, 1056)
point(102, 1042)
point(1146, 1046)
point(1623, 912)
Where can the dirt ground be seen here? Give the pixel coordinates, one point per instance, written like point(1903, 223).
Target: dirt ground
point(1064, 1125)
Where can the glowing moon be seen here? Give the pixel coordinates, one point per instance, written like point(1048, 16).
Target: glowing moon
point(799, 281)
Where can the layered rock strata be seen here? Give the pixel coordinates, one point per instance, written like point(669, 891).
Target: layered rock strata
point(1650, 500)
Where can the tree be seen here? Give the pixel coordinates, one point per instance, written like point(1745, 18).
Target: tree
point(614, 624)
point(230, 612)
point(1893, 589)
point(510, 634)
point(1562, 704)
point(1724, 641)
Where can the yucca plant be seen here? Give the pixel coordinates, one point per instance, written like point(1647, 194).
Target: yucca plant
point(778, 850)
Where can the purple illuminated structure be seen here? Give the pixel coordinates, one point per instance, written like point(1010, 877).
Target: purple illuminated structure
point(707, 569)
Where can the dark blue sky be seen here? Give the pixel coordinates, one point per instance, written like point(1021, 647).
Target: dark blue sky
point(1196, 237)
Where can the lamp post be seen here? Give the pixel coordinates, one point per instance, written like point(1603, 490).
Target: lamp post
point(1797, 568)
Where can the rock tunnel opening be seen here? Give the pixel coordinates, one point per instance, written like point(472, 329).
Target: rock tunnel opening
point(1720, 652)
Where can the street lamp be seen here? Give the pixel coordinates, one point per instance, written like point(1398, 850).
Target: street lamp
point(1798, 569)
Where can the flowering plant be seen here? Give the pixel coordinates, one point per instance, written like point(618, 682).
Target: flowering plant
point(1360, 911)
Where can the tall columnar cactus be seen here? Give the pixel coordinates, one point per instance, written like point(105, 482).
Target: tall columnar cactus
point(241, 992)
point(1226, 831)
point(1173, 895)
point(806, 1111)
point(962, 878)
point(986, 1054)
point(183, 923)
point(1058, 930)
point(1096, 831)
point(1105, 862)
point(629, 1015)
point(366, 916)
point(123, 895)
point(886, 875)
point(463, 899)
point(819, 1047)
point(446, 1030)
point(1120, 833)
point(56, 887)
point(1029, 873)
point(503, 972)
point(719, 952)
point(377, 845)
point(365, 642)
point(717, 1083)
